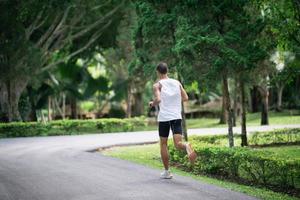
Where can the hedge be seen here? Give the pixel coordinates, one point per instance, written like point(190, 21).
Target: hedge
point(279, 136)
point(71, 127)
point(243, 164)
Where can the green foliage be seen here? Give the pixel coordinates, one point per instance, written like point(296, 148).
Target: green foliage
point(254, 166)
point(87, 106)
point(71, 127)
point(243, 164)
point(148, 155)
point(275, 137)
point(280, 136)
point(221, 41)
point(36, 36)
point(283, 19)
point(32, 28)
point(117, 112)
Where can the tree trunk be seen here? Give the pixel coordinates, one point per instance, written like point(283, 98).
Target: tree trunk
point(49, 109)
point(33, 112)
point(4, 103)
point(10, 93)
point(249, 100)
point(228, 110)
point(254, 99)
point(64, 105)
point(53, 109)
point(74, 112)
point(223, 116)
point(264, 92)
point(264, 113)
point(129, 99)
point(138, 105)
point(243, 115)
point(137, 91)
point(235, 103)
point(42, 116)
point(279, 98)
point(58, 108)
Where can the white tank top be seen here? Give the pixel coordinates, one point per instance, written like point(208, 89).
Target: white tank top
point(170, 105)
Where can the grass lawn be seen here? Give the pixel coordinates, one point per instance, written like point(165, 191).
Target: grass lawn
point(149, 155)
point(288, 152)
point(275, 118)
point(253, 119)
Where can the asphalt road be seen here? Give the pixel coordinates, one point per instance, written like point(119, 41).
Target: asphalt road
point(64, 168)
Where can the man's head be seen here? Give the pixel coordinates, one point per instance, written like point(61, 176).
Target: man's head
point(162, 68)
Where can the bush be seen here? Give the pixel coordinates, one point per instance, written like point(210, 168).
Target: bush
point(281, 136)
point(71, 127)
point(258, 167)
point(117, 112)
point(244, 164)
point(275, 137)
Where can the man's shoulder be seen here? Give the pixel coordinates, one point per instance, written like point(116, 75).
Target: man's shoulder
point(156, 85)
point(174, 80)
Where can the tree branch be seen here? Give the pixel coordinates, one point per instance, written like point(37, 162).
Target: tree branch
point(95, 24)
point(37, 23)
point(44, 37)
point(58, 29)
point(93, 38)
point(63, 39)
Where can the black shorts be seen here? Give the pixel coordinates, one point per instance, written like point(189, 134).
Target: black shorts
point(164, 127)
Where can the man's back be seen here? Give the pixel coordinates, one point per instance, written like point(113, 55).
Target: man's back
point(170, 105)
point(169, 95)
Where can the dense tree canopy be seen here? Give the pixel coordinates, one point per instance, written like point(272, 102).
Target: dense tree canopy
point(103, 54)
point(37, 36)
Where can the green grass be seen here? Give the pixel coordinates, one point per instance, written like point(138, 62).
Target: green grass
point(275, 118)
point(253, 119)
point(288, 152)
point(149, 155)
point(204, 123)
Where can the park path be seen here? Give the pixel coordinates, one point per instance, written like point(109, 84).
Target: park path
point(64, 168)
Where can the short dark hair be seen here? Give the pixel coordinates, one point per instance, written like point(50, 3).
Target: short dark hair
point(162, 68)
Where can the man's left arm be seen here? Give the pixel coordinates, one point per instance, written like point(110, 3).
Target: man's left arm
point(184, 95)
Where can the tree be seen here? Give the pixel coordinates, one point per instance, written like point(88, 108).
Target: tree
point(40, 31)
point(156, 28)
point(283, 73)
point(219, 40)
point(284, 17)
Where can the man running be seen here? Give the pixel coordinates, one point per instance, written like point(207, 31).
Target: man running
point(169, 95)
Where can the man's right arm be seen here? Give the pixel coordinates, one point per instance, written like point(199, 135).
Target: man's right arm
point(156, 91)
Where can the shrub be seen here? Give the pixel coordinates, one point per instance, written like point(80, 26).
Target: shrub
point(275, 137)
point(117, 111)
point(280, 136)
point(70, 127)
point(244, 164)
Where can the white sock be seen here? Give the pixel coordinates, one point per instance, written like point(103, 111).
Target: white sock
point(185, 144)
point(187, 149)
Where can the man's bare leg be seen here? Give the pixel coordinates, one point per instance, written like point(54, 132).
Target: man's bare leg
point(179, 144)
point(164, 152)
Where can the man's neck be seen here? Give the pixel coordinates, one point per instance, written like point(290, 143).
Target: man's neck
point(165, 76)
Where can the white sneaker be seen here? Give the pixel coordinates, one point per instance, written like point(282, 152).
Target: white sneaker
point(166, 174)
